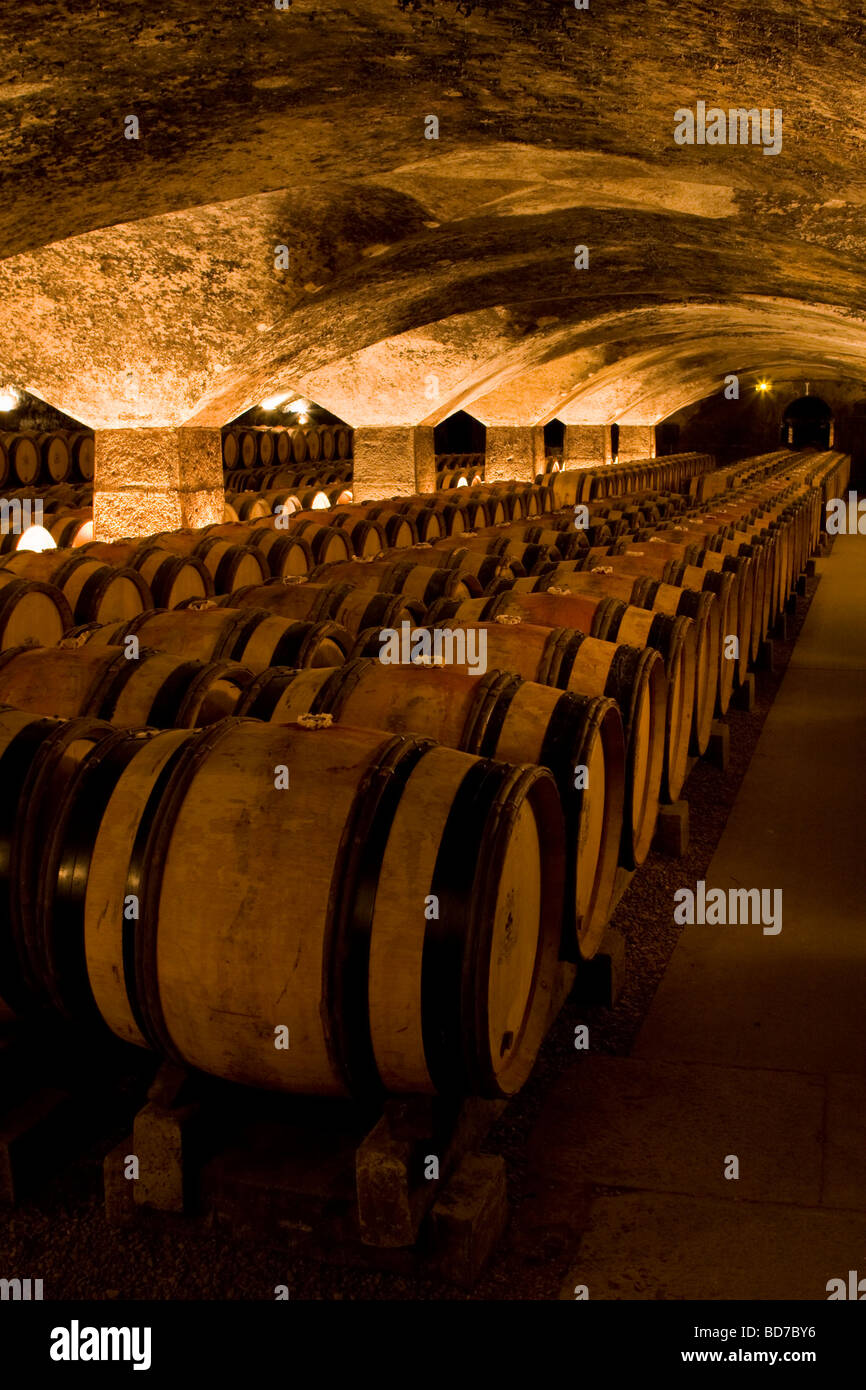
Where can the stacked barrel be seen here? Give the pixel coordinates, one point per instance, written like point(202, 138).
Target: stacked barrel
point(29, 459)
point(459, 470)
point(378, 789)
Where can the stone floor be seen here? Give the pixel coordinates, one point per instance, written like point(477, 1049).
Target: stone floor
point(754, 1048)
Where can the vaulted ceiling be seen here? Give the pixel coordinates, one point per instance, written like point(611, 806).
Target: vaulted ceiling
point(138, 282)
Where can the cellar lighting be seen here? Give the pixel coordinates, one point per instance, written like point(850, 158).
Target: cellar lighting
point(9, 398)
point(321, 502)
point(763, 386)
point(271, 402)
point(38, 539)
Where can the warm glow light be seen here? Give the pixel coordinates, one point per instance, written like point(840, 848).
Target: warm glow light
point(271, 402)
point(297, 407)
point(85, 535)
point(763, 386)
point(9, 398)
point(321, 502)
point(346, 495)
point(36, 538)
point(302, 419)
point(462, 482)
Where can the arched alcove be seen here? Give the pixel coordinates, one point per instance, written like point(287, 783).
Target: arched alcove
point(807, 423)
point(460, 433)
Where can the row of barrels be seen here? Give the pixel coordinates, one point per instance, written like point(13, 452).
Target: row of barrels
point(448, 789)
point(65, 511)
point(29, 458)
point(265, 446)
point(321, 475)
point(215, 650)
point(672, 472)
point(459, 470)
point(252, 506)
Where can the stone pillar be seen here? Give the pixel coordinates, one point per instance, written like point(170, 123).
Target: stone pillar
point(636, 442)
point(156, 479)
point(585, 445)
point(515, 453)
point(393, 461)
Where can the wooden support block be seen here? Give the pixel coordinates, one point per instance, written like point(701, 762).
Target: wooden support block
point(744, 695)
point(600, 980)
point(387, 1214)
point(783, 630)
point(31, 1136)
point(162, 1140)
point(767, 656)
point(469, 1217)
point(672, 829)
point(811, 569)
point(119, 1189)
point(719, 747)
point(791, 604)
point(801, 585)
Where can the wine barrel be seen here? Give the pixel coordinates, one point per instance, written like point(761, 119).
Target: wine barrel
point(172, 579)
point(498, 716)
point(282, 446)
point(713, 674)
point(328, 442)
point(328, 544)
point(403, 824)
point(248, 448)
point(71, 529)
point(84, 455)
point(299, 445)
point(250, 506)
point(605, 617)
point(354, 609)
point(23, 454)
point(266, 448)
point(150, 687)
point(230, 566)
point(400, 531)
point(567, 659)
point(400, 577)
point(343, 438)
point(95, 592)
point(5, 465)
point(31, 612)
point(368, 537)
point(45, 841)
point(231, 452)
point(56, 456)
point(287, 555)
point(254, 637)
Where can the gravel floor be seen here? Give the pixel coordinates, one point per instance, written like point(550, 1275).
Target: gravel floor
point(61, 1234)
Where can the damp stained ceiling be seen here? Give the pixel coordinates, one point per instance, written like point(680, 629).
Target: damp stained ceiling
point(138, 283)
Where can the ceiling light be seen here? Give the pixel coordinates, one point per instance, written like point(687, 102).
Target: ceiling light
point(763, 386)
point(271, 402)
point(9, 398)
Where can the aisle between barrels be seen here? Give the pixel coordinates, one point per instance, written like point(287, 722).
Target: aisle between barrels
point(725, 1155)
